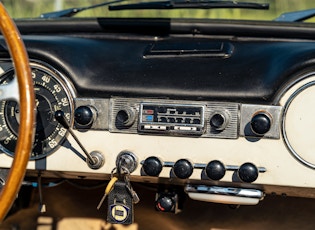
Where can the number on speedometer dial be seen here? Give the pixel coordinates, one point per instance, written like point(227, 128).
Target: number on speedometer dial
point(51, 95)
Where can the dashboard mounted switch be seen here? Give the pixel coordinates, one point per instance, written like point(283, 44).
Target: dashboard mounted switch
point(84, 116)
point(165, 204)
point(169, 200)
point(261, 123)
point(215, 170)
point(248, 172)
point(183, 169)
point(152, 166)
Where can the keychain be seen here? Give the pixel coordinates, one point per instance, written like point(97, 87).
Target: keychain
point(121, 198)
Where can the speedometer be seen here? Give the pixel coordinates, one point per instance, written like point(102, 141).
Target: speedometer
point(52, 94)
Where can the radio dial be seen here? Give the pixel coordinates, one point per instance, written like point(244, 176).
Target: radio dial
point(219, 120)
point(125, 118)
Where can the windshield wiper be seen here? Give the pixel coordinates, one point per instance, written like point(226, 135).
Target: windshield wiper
point(296, 16)
point(72, 11)
point(190, 4)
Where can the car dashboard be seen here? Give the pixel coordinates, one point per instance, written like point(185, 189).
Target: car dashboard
point(208, 106)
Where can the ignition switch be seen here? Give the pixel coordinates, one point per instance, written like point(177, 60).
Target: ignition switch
point(128, 160)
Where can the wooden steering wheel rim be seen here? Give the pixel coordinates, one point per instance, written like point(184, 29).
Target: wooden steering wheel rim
point(27, 112)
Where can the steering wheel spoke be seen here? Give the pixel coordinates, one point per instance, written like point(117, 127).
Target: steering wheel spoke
point(10, 91)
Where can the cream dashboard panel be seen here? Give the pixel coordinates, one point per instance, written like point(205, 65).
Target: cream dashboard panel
point(280, 145)
point(281, 167)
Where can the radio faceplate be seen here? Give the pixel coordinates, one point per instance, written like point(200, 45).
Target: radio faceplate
point(171, 118)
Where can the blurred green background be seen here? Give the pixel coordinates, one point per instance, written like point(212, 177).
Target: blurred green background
point(33, 9)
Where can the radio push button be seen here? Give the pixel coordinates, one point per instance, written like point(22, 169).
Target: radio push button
point(183, 169)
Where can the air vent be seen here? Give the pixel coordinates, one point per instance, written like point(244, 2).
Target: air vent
point(166, 49)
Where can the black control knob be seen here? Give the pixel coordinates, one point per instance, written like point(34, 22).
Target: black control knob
point(260, 123)
point(152, 166)
point(215, 170)
point(165, 204)
point(183, 169)
point(124, 118)
point(84, 116)
point(248, 172)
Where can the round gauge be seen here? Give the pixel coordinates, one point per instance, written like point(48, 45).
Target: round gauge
point(298, 124)
point(51, 95)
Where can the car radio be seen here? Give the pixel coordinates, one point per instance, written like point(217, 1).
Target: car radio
point(171, 118)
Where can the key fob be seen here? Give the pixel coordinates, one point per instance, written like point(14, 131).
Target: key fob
point(120, 205)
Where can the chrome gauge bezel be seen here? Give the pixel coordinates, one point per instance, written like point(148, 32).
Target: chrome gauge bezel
point(67, 90)
point(284, 131)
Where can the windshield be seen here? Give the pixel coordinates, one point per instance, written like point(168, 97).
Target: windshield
point(34, 8)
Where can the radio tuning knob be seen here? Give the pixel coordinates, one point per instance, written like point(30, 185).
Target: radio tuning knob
point(125, 118)
point(183, 169)
point(219, 120)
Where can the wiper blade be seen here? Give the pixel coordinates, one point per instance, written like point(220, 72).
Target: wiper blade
point(190, 4)
point(296, 16)
point(72, 11)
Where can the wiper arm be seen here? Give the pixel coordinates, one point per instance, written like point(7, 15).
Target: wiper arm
point(191, 4)
point(296, 16)
point(72, 11)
